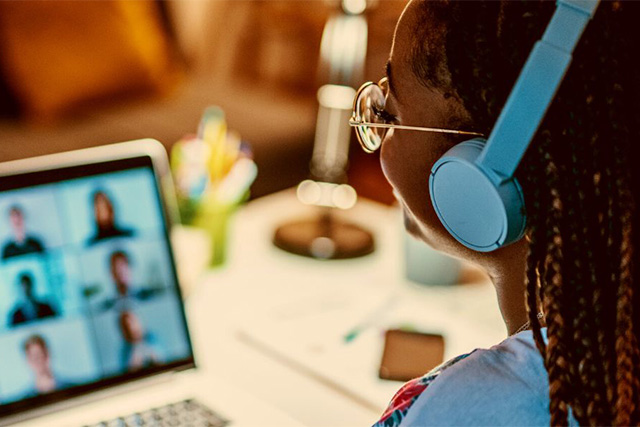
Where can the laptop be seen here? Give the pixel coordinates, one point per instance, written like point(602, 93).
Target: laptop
point(92, 323)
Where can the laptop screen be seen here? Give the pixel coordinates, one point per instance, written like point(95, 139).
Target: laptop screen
point(88, 290)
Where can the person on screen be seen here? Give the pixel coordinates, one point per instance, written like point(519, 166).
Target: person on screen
point(126, 294)
point(38, 358)
point(106, 226)
point(140, 347)
point(21, 243)
point(29, 307)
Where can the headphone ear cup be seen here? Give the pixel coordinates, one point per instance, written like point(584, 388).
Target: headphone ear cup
point(479, 209)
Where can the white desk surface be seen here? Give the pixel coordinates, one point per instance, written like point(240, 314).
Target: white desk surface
point(273, 322)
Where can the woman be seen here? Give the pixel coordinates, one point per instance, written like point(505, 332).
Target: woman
point(139, 350)
point(106, 223)
point(573, 279)
point(38, 356)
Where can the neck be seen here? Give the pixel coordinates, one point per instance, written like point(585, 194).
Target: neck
point(45, 381)
point(511, 299)
point(508, 277)
point(20, 236)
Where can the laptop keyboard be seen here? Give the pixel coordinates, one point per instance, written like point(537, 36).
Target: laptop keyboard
point(188, 413)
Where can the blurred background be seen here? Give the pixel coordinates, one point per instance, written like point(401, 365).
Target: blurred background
point(78, 74)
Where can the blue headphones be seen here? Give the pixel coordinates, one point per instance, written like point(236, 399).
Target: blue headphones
point(472, 186)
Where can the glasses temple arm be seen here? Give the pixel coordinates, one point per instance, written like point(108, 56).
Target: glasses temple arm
point(416, 128)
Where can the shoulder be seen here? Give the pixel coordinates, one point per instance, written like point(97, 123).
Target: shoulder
point(504, 385)
point(17, 315)
point(404, 398)
point(45, 308)
point(8, 249)
point(34, 242)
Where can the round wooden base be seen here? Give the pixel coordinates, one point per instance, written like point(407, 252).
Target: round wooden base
point(325, 237)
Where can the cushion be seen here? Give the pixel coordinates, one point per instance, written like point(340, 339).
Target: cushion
point(57, 56)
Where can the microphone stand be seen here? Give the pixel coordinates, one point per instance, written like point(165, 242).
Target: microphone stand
point(327, 236)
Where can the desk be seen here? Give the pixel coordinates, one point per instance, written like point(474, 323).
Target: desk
point(250, 313)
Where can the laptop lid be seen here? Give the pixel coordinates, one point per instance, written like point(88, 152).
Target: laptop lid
point(89, 294)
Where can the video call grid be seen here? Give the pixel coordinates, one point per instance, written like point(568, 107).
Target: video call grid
point(59, 262)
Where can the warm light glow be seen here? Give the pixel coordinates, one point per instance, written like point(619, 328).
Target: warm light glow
point(326, 194)
point(354, 7)
point(336, 96)
point(309, 192)
point(344, 196)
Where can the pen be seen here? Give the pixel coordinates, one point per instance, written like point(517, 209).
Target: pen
point(370, 320)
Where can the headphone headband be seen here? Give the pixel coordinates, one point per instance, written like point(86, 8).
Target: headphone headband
point(535, 88)
point(472, 187)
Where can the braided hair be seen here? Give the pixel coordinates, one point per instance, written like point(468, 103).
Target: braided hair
point(580, 188)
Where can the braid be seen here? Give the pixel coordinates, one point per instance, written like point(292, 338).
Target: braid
point(556, 360)
point(533, 305)
point(536, 252)
point(606, 340)
point(625, 350)
point(587, 370)
point(598, 272)
point(626, 343)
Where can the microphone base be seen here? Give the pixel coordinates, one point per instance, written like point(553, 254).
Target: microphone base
point(324, 237)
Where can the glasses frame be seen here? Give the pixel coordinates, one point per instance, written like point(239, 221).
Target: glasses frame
point(356, 120)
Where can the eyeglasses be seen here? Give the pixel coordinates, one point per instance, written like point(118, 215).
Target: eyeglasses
point(372, 121)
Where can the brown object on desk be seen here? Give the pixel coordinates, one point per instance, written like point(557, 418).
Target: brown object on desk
point(409, 355)
point(326, 237)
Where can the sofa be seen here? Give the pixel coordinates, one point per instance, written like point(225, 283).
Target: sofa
point(256, 59)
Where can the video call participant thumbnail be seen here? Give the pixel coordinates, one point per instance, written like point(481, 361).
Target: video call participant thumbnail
point(140, 348)
point(21, 243)
point(106, 226)
point(29, 307)
point(126, 294)
point(37, 356)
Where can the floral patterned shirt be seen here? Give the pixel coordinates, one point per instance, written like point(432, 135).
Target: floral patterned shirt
point(505, 385)
point(409, 393)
